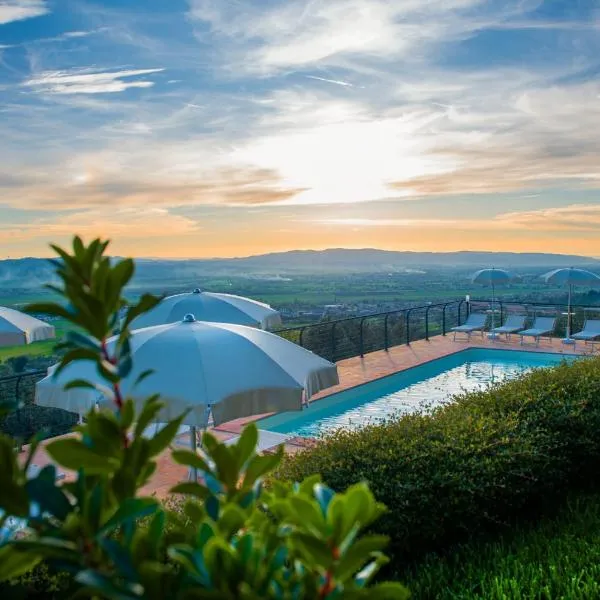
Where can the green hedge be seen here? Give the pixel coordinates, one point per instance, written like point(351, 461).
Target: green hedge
point(474, 465)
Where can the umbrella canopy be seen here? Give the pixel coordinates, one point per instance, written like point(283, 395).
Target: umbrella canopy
point(212, 307)
point(230, 370)
point(17, 328)
point(76, 400)
point(493, 277)
point(571, 276)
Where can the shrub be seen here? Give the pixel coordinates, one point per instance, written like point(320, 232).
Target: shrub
point(473, 465)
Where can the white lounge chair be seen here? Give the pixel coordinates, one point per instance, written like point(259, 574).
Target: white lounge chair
point(513, 324)
point(542, 327)
point(590, 331)
point(474, 322)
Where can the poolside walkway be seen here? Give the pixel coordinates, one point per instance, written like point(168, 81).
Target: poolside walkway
point(352, 372)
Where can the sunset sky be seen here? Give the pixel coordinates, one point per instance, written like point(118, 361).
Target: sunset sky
point(235, 127)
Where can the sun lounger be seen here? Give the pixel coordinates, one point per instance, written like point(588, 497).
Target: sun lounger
point(513, 324)
point(542, 327)
point(590, 331)
point(474, 322)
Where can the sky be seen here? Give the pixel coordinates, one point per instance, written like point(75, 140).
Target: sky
point(204, 128)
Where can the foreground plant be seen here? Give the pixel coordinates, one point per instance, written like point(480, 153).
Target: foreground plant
point(232, 537)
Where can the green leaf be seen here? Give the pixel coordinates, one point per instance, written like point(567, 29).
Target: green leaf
point(92, 580)
point(50, 309)
point(83, 341)
point(359, 554)
point(72, 356)
point(49, 547)
point(151, 409)
point(315, 551)
point(127, 413)
point(50, 498)
point(165, 436)
point(143, 376)
point(130, 510)
point(367, 573)
point(156, 531)
point(324, 495)
point(146, 303)
point(261, 465)
point(8, 460)
point(231, 519)
point(246, 445)
point(73, 454)
point(190, 459)
point(14, 500)
point(79, 383)
point(190, 488)
point(14, 563)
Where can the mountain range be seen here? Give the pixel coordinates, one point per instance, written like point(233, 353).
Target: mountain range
point(32, 272)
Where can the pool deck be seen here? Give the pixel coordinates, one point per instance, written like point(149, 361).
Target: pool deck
point(352, 372)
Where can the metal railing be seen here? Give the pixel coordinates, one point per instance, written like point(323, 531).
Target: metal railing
point(357, 336)
point(334, 340)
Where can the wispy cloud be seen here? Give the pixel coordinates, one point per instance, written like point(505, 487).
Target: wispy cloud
point(334, 81)
point(19, 10)
point(89, 81)
point(572, 218)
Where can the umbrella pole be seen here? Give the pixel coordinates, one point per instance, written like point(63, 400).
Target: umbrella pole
point(194, 444)
point(492, 335)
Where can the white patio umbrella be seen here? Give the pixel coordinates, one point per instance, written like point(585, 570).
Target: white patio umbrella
point(212, 307)
point(17, 328)
point(493, 277)
point(229, 371)
point(570, 276)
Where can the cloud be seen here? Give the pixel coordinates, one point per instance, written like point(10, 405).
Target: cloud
point(88, 81)
point(93, 183)
point(334, 81)
point(19, 10)
point(574, 219)
point(124, 223)
point(302, 33)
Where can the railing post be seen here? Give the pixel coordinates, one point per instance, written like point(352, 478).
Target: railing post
point(300, 339)
point(501, 311)
point(407, 323)
point(444, 319)
point(361, 338)
point(386, 341)
point(460, 304)
point(333, 341)
point(427, 323)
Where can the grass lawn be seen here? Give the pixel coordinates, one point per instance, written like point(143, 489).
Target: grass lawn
point(44, 348)
point(559, 558)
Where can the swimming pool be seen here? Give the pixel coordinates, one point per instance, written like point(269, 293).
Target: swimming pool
point(417, 389)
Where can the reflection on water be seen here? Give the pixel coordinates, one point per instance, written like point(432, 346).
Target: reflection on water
point(418, 397)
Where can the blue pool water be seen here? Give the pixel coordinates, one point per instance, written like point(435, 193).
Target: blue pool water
point(418, 389)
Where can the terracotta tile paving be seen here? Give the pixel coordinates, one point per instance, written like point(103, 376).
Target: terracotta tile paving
point(352, 372)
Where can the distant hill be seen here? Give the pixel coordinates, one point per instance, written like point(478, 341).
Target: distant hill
point(34, 272)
